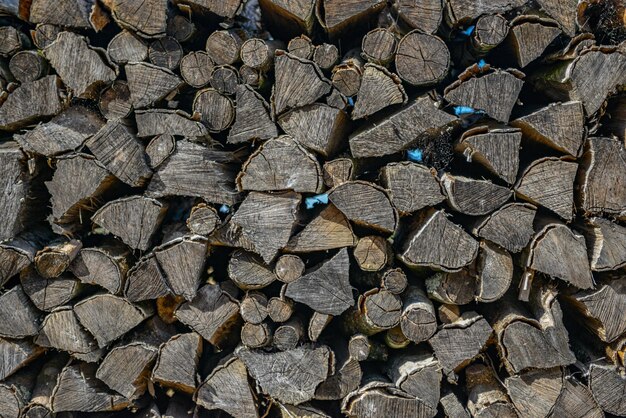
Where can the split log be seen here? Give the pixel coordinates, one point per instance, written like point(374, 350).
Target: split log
point(530, 36)
point(418, 374)
point(259, 53)
point(165, 52)
point(182, 261)
point(126, 369)
point(227, 389)
point(115, 101)
point(40, 404)
point(422, 59)
point(325, 289)
point(56, 257)
point(301, 47)
point(159, 149)
point(289, 18)
point(288, 335)
point(249, 272)
point(602, 175)
point(537, 341)
point(224, 79)
point(44, 100)
point(495, 267)
point(473, 197)
point(196, 68)
point(224, 8)
point(105, 266)
point(198, 171)
point(560, 253)
point(491, 30)
point(289, 268)
point(435, 227)
point(383, 398)
point(44, 34)
point(399, 131)
point(252, 119)
point(146, 280)
point(212, 314)
point(345, 378)
point(464, 11)
point(28, 66)
point(452, 288)
point(108, 317)
point(224, 46)
point(317, 325)
point(605, 242)
point(149, 83)
point(486, 396)
point(168, 122)
point(328, 230)
point(12, 41)
point(15, 392)
point(125, 47)
point(365, 204)
point(253, 308)
point(295, 373)
point(317, 127)
point(61, 330)
point(202, 220)
point(411, 186)
point(148, 21)
point(456, 344)
point(549, 182)
point(376, 310)
point(281, 164)
point(472, 91)
point(394, 280)
point(608, 385)
point(372, 253)
point(299, 82)
point(78, 389)
point(338, 171)
point(280, 309)
point(256, 335)
point(48, 294)
point(511, 226)
point(80, 66)
point(559, 11)
point(423, 14)
point(452, 406)
point(418, 322)
point(120, 151)
point(19, 318)
point(267, 221)
point(326, 56)
point(177, 364)
point(17, 200)
point(339, 16)
point(65, 132)
point(495, 148)
point(379, 89)
point(216, 111)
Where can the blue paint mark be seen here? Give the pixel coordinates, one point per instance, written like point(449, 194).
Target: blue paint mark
point(224, 209)
point(416, 155)
point(482, 64)
point(468, 31)
point(321, 199)
point(463, 110)
point(350, 101)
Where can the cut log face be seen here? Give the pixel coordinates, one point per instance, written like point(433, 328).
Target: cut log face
point(16, 255)
point(379, 46)
point(300, 46)
point(379, 89)
point(216, 110)
point(12, 41)
point(133, 219)
point(418, 375)
point(79, 65)
point(104, 266)
point(340, 15)
point(422, 59)
point(182, 261)
point(224, 79)
point(227, 389)
point(531, 37)
point(149, 21)
point(328, 230)
point(43, 98)
point(411, 186)
point(399, 131)
point(326, 289)
point(496, 149)
point(281, 164)
point(225, 8)
point(463, 11)
point(495, 267)
point(365, 204)
point(606, 242)
point(299, 82)
point(473, 197)
point(55, 258)
point(372, 253)
point(196, 68)
point(126, 369)
point(18, 316)
point(252, 118)
point(603, 177)
point(474, 93)
point(149, 83)
point(47, 294)
point(288, 376)
point(61, 330)
point(165, 52)
point(511, 226)
point(455, 248)
point(608, 386)
point(177, 364)
point(560, 253)
point(486, 395)
point(549, 182)
point(115, 101)
point(491, 30)
point(16, 354)
point(383, 398)
point(418, 321)
point(558, 125)
point(125, 47)
point(146, 280)
point(249, 272)
point(203, 219)
point(159, 149)
point(211, 314)
point(168, 122)
point(423, 14)
point(15, 185)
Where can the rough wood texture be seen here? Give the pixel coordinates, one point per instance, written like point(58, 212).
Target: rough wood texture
point(301, 47)
point(328, 230)
point(491, 30)
point(225, 8)
point(224, 79)
point(530, 37)
point(605, 243)
point(125, 47)
point(115, 101)
point(177, 363)
point(19, 318)
point(326, 56)
point(340, 15)
point(365, 204)
point(511, 226)
point(203, 219)
point(165, 52)
point(338, 171)
point(289, 268)
point(463, 11)
point(56, 257)
point(379, 397)
point(224, 46)
point(105, 266)
point(608, 386)
point(249, 272)
point(16, 196)
point(61, 330)
point(496, 273)
point(147, 19)
point(149, 83)
point(473, 197)
point(30, 102)
point(252, 118)
point(126, 369)
point(422, 59)
point(425, 15)
point(28, 66)
point(182, 261)
point(486, 395)
point(372, 253)
point(47, 294)
point(216, 111)
point(196, 68)
point(159, 149)
point(168, 122)
point(418, 321)
point(146, 280)
point(379, 89)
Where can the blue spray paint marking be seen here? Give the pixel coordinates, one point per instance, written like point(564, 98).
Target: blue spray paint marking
point(350, 101)
point(481, 64)
point(463, 110)
point(310, 202)
point(468, 31)
point(416, 155)
point(224, 209)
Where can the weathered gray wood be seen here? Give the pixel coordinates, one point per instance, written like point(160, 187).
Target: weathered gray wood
point(61, 330)
point(491, 30)
point(288, 17)
point(165, 52)
point(252, 118)
point(511, 226)
point(146, 280)
point(196, 68)
point(182, 261)
point(399, 131)
point(12, 41)
point(376, 310)
point(425, 15)
point(328, 230)
point(168, 122)
point(418, 374)
point(418, 322)
point(259, 53)
point(79, 66)
point(473, 197)
point(394, 280)
point(256, 335)
point(289, 268)
point(495, 272)
point(301, 47)
point(317, 324)
point(338, 171)
point(115, 101)
point(379, 46)
point(203, 219)
point(605, 243)
point(224, 8)
point(105, 265)
point(19, 318)
point(486, 395)
point(326, 56)
point(47, 294)
point(464, 11)
point(225, 79)
point(30, 102)
point(345, 379)
point(420, 250)
point(288, 335)
point(326, 289)
point(148, 19)
point(452, 406)
point(365, 204)
point(17, 197)
point(340, 15)
point(56, 257)
point(216, 110)
point(378, 397)
point(608, 386)
point(422, 59)
point(223, 46)
point(452, 288)
point(126, 369)
point(379, 89)
point(125, 47)
point(28, 66)
point(177, 364)
point(347, 75)
point(18, 253)
point(288, 376)
point(44, 34)
point(411, 186)
point(281, 164)
point(249, 272)
point(280, 308)
point(530, 36)
point(372, 253)
point(40, 403)
point(159, 149)
point(253, 307)
point(149, 83)
point(212, 314)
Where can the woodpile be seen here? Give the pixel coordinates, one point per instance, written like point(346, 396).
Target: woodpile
point(312, 208)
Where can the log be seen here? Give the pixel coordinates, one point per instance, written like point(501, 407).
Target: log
point(56, 257)
point(379, 89)
point(326, 56)
point(44, 34)
point(212, 314)
point(317, 325)
point(317, 127)
point(148, 21)
point(496, 272)
point(149, 84)
point(347, 75)
point(452, 288)
point(530, 36)
point(605, 244)
point(289, 268)
point(549, 182)
point(290, 18)
point(287, 336)
point(249, 272)
point(182, 261)
point(227, 389)
point(600, 191)
point(256, 335)
point(252, 77)
point(115, 101)
point(177, 364)
point(165, 52)
point(146, 280)
point(79, 65)
point(298, 372)
point(411, 186)
point(216, 111)
point(425, 15)
point(418, 374)
point(491, 31)
point(12, 41)
point(511, 226)
point(17, 200)
point(432, 227)
point(463, 11)
point(196, 68)
point(330, 229)
point(376, 310)
point(28, 66)
point(394, 280)
point(495, 148)
point(486, 395)
point(252, 118)
point(125, 47)
point(202, 220)
point(41, 400)
point(452, 406)
point(281, 164)
point(224, 46)
point(126, 369)
point(19, 318)
point(227, 8)
point(378, 397)
point(338, 171)
point(224, 79)
point(299, 82)
point(339, 15)
point(365, 204)
point(418, 322)
point(422, 59)
point(280, 308)
point(301, 47)
point(372, 253)
point(61, 330)
point(473, 197)
point(106, 266)
point(168, 122)
point(48, 294)
point(159, 149)
point(15, 393)
point(558, 10)
point(399, 131)
point(44, 101)
point(259, 53)
point(607, 385)
point(253, 307)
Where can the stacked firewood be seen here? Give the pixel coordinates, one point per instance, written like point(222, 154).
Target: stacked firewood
point(312, 208)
